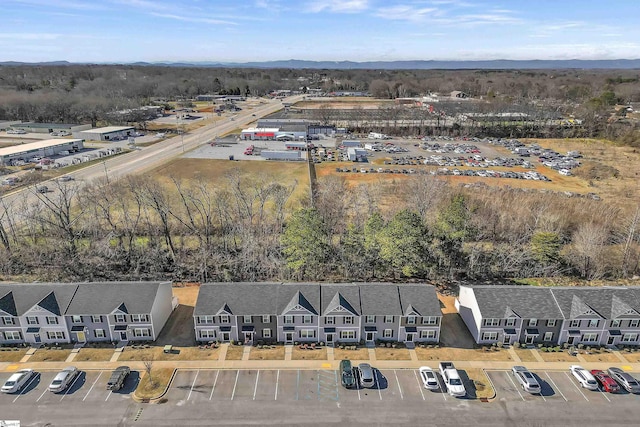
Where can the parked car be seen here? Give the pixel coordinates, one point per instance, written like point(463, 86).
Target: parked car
point(118, 377)
point(17, 381)
point(608, 384)
point(627, 382)
point(42, 189)
point(346, 374)
point(526, 379)
point(365, 374)
point(64, 379)
point(429, 378)
point(452, 379)
point(584, 377)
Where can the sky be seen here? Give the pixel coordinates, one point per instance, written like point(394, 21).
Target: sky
point(104, 31)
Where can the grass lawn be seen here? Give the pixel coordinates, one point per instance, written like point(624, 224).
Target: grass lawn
point(450, 353)
point(317, 354)
point(12, 355)
point(178, 353)
point(359, 354)
point(631, 357)
point(392, 354)
point(276, 353)
point(562, 356)
point(44, 355)
point(481, 382)
point(234, 352)
point(601, 356)
point(94, 354)
point(152, 353)
point(160, 376)
point(525, 354)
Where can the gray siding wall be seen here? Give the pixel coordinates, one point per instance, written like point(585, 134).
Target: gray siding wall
point(16, 327)
point(542, 329)
point(380, 326)
point(90, 328)
point(42, 315)
point(161, 309)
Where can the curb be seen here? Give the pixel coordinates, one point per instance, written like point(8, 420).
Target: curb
point(491, 398)
point(160, 396)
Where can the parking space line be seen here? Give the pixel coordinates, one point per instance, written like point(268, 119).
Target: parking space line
point(514, 385)
point(94, 383)
point(604, 394)
point(298, 385)
point(66, 392)
point(277, 383)
point(415, 373)
point(444, 388)
point(214, 384)
point(378, 373)
point(108, 395)
point(33, 378)
point(193, 384)
point(255, 388)
point(398, 381)
point(577, 388)
point(38, 399)
point(235, 384)
point(556, 387)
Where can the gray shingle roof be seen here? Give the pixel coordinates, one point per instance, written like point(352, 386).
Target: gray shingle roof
point(305, 295)
point(346, 296)
point(102, 298)
point(7, 304)
point(422, 298)
point(380, 299)
point(526, 301)
point(54, 297)
point(599, 300)
point(240, 298)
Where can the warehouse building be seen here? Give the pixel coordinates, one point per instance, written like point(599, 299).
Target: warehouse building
point(7, 125)
point(109, 133)
point(259, 134)
point(32, 127)
point(356, 154)
point(44, 148)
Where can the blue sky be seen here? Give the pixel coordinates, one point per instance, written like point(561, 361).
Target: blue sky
point(356, 30)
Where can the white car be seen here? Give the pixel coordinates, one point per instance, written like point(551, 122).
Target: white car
point(64, 379)
point(584, 377)
point(17, 381)
point(429, 378)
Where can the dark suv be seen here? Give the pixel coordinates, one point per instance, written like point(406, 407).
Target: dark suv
point(118, 377)
point(346, 374)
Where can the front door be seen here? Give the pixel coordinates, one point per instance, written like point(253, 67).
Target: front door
point(248, 337)
point(225, 336)
point(410, 337)
point(611, 340)
point(329, 338)
point(37, 338)
point(529, 339)
point(81, 337)
point(123, 336)
point(288, 336)
point(570, 340)
point(369, 336)
point(507, 339)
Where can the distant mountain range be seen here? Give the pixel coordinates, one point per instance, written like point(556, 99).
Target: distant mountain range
point(497, 64)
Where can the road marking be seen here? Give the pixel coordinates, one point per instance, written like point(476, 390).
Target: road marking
point(33, 378)
point(514, 385)
point(577, 388)
point(298, 385)
point(604, 394)
point(277, 382)
point(378, 374)
point(398, 382)
point(443, 387)
point(193, 384)
point(214, 384)
point(66, 392)
point(94, 383)
point(108, 395)
point(255, 388)
point(38, 399)
point(415, 373)
point(556, 387)
point(235, 384)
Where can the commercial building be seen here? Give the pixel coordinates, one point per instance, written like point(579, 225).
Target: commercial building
point(109, 133)
point(44, 148)
point(259, 134)
point(356, 154)
point(32, 127)
point(5, 125)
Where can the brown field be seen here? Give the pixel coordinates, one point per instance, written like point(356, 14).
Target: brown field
point(234, 352)
point(148, 390)
point(44, 355)
point(481, 383)
point(317, 354)
point(359, 354)
point(562, 356)
point(267, 353)
point(631, 357)
point(460, 354)
point(365, 103)
point(392, 354)
point(94, 354)
point(601, 356)
point(12, 355)
point(526, 355)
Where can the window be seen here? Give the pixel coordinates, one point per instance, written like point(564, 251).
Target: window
point(388, 319)
point(205, 320)
point(590, 337)
point(8, 320)
point(428, 334)
point(510, 322)
point(348, 320)
point(593, 323)
point(266, 333)
point(634, 323)
point(208, 333)
point(266, 318)
point(32, 320)
point(246, 319)
point(55, 335)
point(74, 319)
point(52, 320)
point(96, 319)
point(139, 318)
point(307, 333)
point(387, 333)
point(141, 332)
point(99, 333)
point(12, 335)
point(551, 323)
point(491, 322)
point(347, 335)
point(548, 336)
point(411, 320)
point(224, 318)
point(330, 320)
point(533, 322)
point(574, 324)
point(306, 319)
point(615, 323)
point(430, 320)
point(370, 319)
point(120, 318)
point(288, 319)
point(629, 337)
point(489, 336)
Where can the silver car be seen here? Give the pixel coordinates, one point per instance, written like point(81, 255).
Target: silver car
point(64, 379)
point(526, 379)
point(365, 372)
point(624, 379)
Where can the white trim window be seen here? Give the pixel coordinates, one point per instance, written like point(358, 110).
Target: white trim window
point(12, 335)
point(634, 323)
point(411, 320)
point(141, 332)
point(330, 320)
point(139, 318)
point(307, 333)
point(32, 320)
point(387, 333)
point(224, 318)
point(489, 336)
point(99, 333)
point(430, 320)
point(574, 324)
point(246, 319)
point(347, 335)
point(510, 322)
point(52, 320)
point(266, 333)
point(590, 337)
point(429, 334)
point(616, 323)
point(207, 333)
point(533, 322)
point(388, 319)
point(288, 319)
point(55, 335)
point(370, 319)
point(96, 319)
point(8, 320)
point(266, 318)
point(548, 336)
point(551, 323)
point(347, 320)
point(630, 337)
point(593, 323)
point(491, 322)
point(120, 318)
point(306, 319)
point(205, 320)
point(74, 319)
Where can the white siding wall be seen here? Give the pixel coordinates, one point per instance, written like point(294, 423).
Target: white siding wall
point(161, 309)
point(469, 311)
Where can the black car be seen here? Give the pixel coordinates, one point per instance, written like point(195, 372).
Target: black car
point(118, 377)
point(346, 374)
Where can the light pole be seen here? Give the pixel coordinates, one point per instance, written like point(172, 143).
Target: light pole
point(180, 131)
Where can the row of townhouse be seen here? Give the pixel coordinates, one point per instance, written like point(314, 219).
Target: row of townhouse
point(329, 313)
point(551, 316)
point(85, 312)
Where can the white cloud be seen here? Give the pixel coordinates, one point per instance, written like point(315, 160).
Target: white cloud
point(339, 6)
point(192, 19)
point(29, 36)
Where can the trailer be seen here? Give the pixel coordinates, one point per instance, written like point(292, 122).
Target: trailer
point(281, 155)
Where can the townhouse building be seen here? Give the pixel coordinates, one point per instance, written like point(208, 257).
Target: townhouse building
point(311, 312)
point(551, 316)
point(87, 312)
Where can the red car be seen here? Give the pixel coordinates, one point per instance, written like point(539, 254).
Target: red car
point(608, 384)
